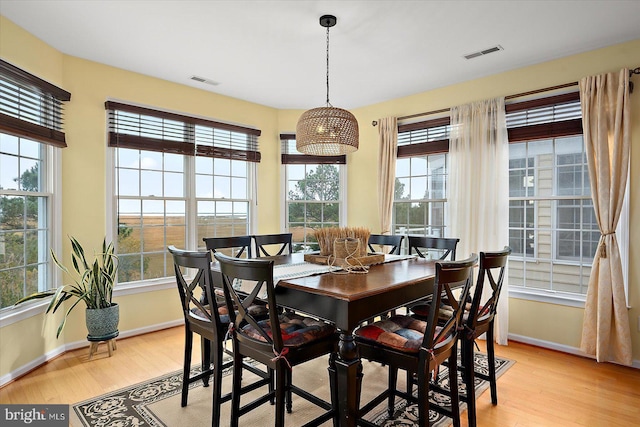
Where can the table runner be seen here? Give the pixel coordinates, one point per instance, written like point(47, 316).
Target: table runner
point(297, 270)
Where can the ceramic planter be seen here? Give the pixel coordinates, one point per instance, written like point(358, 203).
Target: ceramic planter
point(102, 323)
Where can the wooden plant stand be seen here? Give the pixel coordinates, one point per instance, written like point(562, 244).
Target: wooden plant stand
point(95, 342)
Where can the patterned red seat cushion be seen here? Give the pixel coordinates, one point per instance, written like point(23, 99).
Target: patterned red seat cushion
point(403, 333)
point(296, 330)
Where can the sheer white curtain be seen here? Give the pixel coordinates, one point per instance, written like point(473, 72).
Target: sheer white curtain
point(388, 137)
point(606, 122)
point(479, 187)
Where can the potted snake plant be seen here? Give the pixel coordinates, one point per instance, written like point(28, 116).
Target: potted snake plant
point(92, 284)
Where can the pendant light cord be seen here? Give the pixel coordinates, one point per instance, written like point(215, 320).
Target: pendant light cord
point(328, 103)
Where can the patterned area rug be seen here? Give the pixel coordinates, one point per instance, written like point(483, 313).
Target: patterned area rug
point(157, 402)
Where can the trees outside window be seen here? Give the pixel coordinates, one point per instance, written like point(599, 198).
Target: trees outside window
point(313, 201)
point(24, 225)
point(314, 192)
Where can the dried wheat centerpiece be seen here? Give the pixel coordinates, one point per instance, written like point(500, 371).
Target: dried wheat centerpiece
point(327, 238)
point(344, 247)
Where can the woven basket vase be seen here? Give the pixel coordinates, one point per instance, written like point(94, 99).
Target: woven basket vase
point(347, 247)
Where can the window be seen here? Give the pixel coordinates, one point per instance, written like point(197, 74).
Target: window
point(420, 201)
point(314, 193)
point(552, 227)
point(25, 197)
point(30, 134)
point(176, 177)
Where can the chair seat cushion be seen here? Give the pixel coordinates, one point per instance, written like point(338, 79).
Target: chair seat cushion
point(257, 310)
point(223, 312)
point(422, 311)
point(403, 333)
point(296, 330)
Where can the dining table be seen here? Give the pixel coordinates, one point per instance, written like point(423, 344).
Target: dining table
point(346, 299)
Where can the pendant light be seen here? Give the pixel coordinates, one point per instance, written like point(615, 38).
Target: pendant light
point(327, 131)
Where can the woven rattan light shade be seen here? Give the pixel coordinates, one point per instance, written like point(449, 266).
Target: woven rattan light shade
point(327, 131)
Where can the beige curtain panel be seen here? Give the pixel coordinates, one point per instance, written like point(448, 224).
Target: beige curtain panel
point(388, 137)
point(606, 125)
point(479, 188)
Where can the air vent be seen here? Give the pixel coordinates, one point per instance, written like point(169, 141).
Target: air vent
point(483, 52)
point(203, 80)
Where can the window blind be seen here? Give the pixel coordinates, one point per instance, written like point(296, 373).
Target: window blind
point(144, 128)
point(550, 117)
point(290, 155)
point(31, 107)
point(426, 137)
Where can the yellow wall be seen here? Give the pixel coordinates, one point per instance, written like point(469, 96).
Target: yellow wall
point(85, 200)
point(555, 323)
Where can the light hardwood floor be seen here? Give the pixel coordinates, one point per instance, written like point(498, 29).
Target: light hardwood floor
point(543, 388)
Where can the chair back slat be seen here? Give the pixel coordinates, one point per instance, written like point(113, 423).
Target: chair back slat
point(452, 277)
point(283, 239)
point(393, 240)
point(236, 245)
point(421, 245)
point(195, 309)
point(259, 273)
point(492, 271)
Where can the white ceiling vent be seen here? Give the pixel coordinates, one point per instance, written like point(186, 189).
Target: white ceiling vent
point(203, 80)
point(483, 52)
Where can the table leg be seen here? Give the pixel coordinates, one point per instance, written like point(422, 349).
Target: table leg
point(346, 380)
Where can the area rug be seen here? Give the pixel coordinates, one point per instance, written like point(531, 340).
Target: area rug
point(157, 402)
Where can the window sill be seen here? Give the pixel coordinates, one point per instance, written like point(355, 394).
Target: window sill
point(152, 285)
point(22, 312)
point(17, 314)
point(550, 297)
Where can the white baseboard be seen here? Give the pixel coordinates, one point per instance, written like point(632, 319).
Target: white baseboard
point(79, 344)
point(558, 347)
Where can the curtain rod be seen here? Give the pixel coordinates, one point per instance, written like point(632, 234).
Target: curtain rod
point(517, 95)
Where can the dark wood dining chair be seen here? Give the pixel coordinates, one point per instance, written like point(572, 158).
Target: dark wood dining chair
point(425, 247)
point(282, 242)
point(281, 342)
point(385, 240)
point(233, 246)
point(420, 347)
point(211, 323)
point(479, 319)
point(393, 240)
point(440, 248)
point(237, 246)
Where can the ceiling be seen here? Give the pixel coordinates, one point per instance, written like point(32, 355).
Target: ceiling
point(274, 52)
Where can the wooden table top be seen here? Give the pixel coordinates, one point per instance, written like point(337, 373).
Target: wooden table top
point(348, 299)
point(354, 286)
